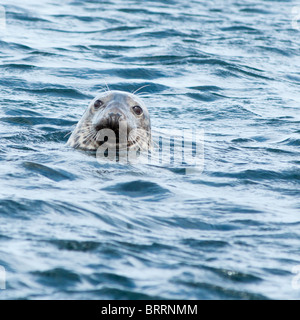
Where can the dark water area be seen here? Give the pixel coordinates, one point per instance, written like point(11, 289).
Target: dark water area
point(72, 228)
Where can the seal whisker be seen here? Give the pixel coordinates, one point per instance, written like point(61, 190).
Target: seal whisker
point(108, 90)
point(91, 134)
point(155, 144)
point(69, 133)
point(140, 142)
point(103, 89)
point(146, 85)
point(141, 145)
point(143, 94)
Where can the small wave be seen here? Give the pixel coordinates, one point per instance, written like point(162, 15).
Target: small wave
point(277, 51)
point(73, 245)
point(58, 277)
point(245, 29)
point(204, 97)
point(152, 87)
point(19, 47)
point(139, 189)
point(52, 174)
point(17, 66)
point(255, 10)
point(205, 244)
point(135, 73)
point(110, 279)
point(242, 140)
point(211, 291)
point(22, 208)
point(57, 92)
point(161, 34)
point(112, 293)
point(261, 174)
point(26, 16)
point(291, 142)
point(235, 276)
point(194, 224)
point(206, 88)
point(32, 121)
point(56, 136)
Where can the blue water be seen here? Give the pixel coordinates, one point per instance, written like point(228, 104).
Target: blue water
point(72, 228)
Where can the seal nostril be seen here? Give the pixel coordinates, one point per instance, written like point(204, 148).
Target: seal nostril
point(114, 121)
point(111, 121)
point(115, 117)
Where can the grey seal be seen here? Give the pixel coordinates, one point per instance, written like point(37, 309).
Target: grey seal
point(118, 112)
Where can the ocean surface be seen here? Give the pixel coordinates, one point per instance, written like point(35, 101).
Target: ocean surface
point(74, 228)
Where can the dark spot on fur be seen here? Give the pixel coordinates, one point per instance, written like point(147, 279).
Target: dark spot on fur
point(86, 141)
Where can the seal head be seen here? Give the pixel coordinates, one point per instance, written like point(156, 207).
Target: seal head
point(119, 118)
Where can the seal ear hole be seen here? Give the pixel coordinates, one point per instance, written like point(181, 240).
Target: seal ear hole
point(98, 104)
point(137, 110)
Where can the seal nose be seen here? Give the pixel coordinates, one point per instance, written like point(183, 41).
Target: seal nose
point(114, 117)
point(114, 121)
point(111, 121)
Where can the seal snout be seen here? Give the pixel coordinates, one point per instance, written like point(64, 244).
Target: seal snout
point(110, 121)
point(113, 118)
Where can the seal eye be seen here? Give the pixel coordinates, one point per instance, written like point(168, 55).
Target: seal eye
point(137, 110)
point(98, 104)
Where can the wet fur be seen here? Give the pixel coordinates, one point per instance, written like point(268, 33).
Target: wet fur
point(84, 136)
